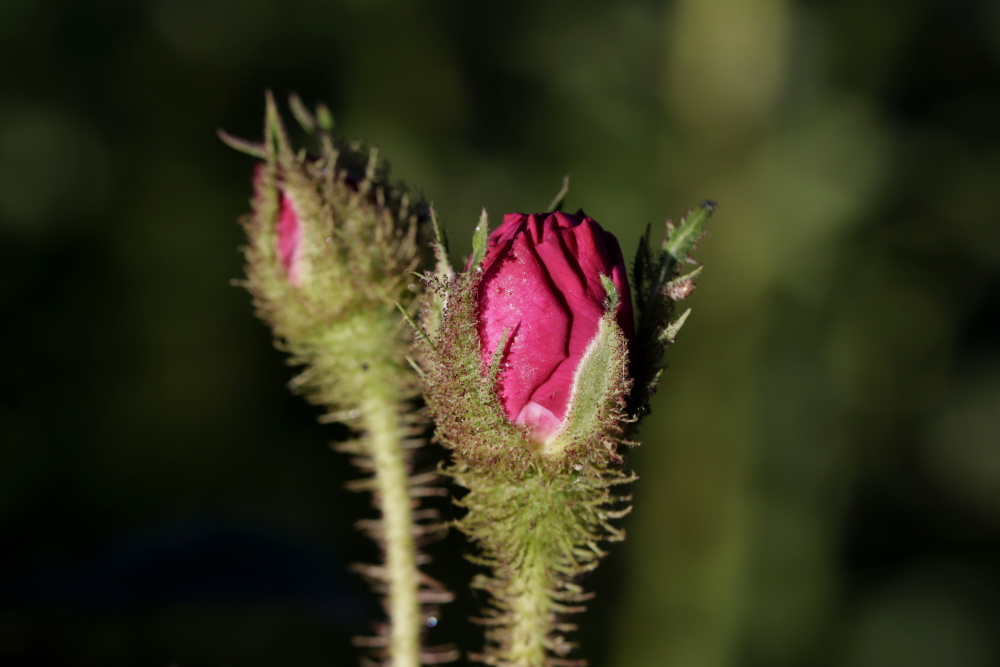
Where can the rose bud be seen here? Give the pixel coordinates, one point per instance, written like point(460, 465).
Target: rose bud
point(541, 284)
point(524, 356)
point(332, 244)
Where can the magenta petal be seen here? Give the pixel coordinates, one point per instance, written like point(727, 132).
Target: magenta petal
point(517, 294)
point(290, 240)
point(585, 306)
point(542, 284)
point(541, 423)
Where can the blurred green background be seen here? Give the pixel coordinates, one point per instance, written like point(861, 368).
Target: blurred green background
point(820, 482)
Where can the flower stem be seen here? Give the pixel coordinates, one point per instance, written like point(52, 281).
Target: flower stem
point(387, 429)
point(536, 533)
point(530, 611)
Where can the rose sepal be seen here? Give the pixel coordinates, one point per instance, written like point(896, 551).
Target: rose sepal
point(592, 428)
point(460, 392)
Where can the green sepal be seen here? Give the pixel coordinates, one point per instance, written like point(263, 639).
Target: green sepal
point(460, 389)
point(494, 375)
point(611, 296)
point(592, 428)
point(434, 301)
point(275, 136)
point(302, 114)
point(318, 122)
point(480, 239)
point(442, 255)
point(250, 148)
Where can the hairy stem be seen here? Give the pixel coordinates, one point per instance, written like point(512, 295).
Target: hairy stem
point(536, 533)
point(530, 601)
point(386, 432)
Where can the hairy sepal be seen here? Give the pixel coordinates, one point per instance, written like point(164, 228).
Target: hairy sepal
point(593, 425)
point(461, 394)
point(432, 303)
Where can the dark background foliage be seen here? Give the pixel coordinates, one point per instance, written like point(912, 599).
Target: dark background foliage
point(821, 478)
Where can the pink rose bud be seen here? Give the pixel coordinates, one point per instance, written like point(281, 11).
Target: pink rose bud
point(542, 284)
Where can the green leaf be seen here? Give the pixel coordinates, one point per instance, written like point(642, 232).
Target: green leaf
point(681, 240)
point(677, 243)
point(669, 332)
